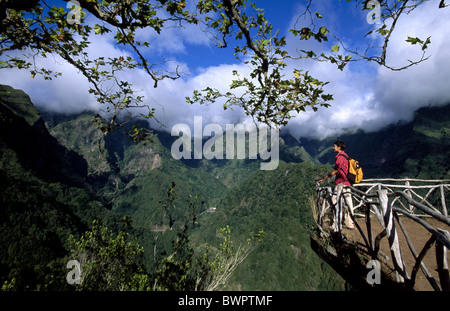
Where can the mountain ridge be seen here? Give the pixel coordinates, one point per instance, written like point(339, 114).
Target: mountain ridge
point(416, 149)
point(377, 152)
point(80, 175)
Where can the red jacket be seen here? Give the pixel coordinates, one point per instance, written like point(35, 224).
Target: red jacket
point(342, 169)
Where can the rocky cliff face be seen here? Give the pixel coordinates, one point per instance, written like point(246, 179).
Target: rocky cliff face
point(109, 154)
point(82, 136)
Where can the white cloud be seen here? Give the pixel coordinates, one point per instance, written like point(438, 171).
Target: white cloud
point(65, 94)
point(370, 97)
point(400, 93)
point(171, 96)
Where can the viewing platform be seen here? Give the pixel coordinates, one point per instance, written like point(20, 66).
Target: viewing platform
point(400, 237)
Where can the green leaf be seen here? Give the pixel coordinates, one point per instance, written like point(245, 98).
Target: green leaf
point(324, 31)
point(335, 48)
point(414, 40)
point(99, 30)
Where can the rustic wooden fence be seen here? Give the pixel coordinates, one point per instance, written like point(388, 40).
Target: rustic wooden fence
point(389, 201)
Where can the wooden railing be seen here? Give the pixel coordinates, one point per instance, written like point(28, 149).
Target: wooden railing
point(389, 201)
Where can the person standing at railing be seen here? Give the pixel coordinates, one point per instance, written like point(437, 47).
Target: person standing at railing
point(340, 171)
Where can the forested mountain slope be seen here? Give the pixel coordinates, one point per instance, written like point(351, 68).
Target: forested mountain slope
point(43, 197)
point(244, 198)
point(56, 181)
point(278, 202)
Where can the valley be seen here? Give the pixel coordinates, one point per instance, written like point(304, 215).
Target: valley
point(60, 174)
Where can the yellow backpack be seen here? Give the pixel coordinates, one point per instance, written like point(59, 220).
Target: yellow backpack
point(355, 173)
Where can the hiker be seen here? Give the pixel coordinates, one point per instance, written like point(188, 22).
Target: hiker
point(340, 171)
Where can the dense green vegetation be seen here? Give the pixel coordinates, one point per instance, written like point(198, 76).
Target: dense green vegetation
point(43, 197)
point(55, 188)
point(278, 203)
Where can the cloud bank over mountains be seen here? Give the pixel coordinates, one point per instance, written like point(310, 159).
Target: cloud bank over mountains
point(366, 96)
point(370, 97)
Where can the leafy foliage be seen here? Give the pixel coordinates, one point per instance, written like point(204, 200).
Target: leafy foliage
point(108, 262)
point(114, 262)
point(384, 16)
point(222, 265)
point(41, 30)
point(267, 95)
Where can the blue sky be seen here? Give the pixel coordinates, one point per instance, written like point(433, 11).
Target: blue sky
point(367, 96)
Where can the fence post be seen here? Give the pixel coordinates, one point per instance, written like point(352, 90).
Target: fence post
point(408, 193)
point(444, 206)
point(389, 225)
point(323, 196)
point(369, 229)
point(338, 210)
point(442, 264)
